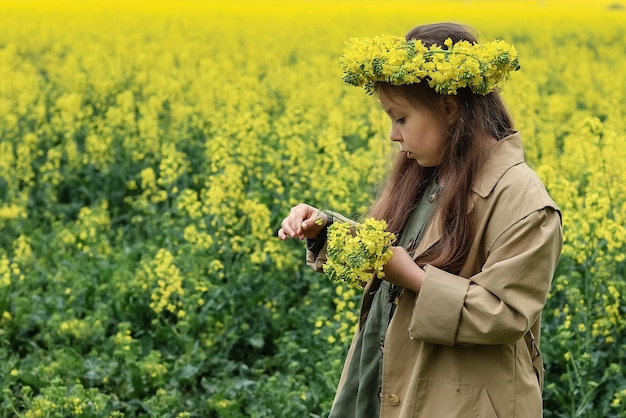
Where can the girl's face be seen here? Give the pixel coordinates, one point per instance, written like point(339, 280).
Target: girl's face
point(419, 131)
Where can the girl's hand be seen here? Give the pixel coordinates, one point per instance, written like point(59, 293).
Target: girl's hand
point(301, 222)
point(401, 270)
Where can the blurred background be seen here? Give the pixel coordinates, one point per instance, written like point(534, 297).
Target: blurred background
point(150, 149)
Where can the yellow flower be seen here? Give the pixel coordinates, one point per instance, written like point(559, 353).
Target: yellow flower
point(393, 59)
point(10, 212)
point(355, 253)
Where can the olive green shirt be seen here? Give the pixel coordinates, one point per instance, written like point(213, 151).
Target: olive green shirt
point(360, 394)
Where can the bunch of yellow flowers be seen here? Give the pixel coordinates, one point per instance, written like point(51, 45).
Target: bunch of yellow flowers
point(356, 252)
point(393, 59)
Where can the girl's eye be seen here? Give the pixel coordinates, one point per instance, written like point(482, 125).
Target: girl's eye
point(400, 121)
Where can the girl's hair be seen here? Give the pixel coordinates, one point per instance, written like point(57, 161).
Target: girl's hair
point(462, 154)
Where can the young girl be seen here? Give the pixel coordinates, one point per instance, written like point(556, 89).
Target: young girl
point(452, 330)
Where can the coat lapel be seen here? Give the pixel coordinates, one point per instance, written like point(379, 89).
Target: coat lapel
point(368, 296)
point(431, 237)
point(499, 163)
point(433, 233)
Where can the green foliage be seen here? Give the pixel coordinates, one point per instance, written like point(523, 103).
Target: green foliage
point(147, 160)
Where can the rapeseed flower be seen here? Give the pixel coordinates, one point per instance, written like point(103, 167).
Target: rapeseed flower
point(355, 253)
point(393, 59)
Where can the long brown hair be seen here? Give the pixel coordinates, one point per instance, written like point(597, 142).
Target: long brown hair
point(462, 155)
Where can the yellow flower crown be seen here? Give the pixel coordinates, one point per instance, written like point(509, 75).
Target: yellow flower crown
point(393, 59)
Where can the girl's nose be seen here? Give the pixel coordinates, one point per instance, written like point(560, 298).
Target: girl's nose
point(394, 135)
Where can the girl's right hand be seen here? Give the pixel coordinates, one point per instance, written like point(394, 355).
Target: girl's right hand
point(301, 222)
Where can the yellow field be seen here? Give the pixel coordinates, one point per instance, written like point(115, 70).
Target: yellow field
point(149, 150)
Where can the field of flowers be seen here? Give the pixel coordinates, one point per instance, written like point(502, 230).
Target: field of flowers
point(149, 150)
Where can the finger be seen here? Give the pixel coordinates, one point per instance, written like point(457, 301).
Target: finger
point(299, 214)
point(317, 219)
point(281, 234)
point(287, 229)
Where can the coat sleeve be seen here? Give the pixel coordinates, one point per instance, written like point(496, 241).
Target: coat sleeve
point(500, 303)
point(316, 261)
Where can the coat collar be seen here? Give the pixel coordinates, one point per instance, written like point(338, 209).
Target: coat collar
point(506, 153)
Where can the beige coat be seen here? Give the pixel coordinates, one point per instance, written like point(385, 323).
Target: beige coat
point(466, 345)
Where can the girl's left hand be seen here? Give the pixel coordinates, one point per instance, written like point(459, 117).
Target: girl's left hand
point(302, 222)
point(402, 271)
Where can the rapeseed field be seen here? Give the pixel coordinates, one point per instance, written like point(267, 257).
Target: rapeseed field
point(150, 149)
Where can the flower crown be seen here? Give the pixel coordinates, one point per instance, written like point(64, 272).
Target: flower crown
point(393, 59)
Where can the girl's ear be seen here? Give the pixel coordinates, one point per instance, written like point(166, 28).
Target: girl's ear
point(450, 107)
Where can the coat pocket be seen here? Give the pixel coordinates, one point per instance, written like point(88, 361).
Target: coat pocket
point(442, 398)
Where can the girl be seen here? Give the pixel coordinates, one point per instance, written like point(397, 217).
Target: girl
point(453, 329)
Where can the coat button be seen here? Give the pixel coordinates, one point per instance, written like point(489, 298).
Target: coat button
point(393, 399)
